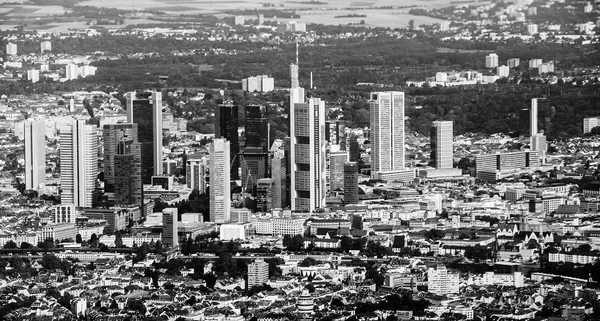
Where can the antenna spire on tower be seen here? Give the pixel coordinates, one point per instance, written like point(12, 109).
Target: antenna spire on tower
point(297, 53)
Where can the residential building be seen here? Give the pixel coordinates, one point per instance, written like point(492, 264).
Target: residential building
point(45, 46)
point(35, 153)
point(116, 218)
point(590, 123)
point(258, 272)
point(58, 232)
point(502, 71)
point(33, 75)
point(11, 48)
point(440, 281)
point(491, 61)
point(513, 62)
point(71, 72)
point(287, 226)
point(219, 192)
point(261, 83)
point(78, 164)
point(145, 110)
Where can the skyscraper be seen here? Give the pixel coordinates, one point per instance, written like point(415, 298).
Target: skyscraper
point(279, 175)
point(442, 144)
point(254, 166)
point(256, 128)
point(113, 135)
point(196, 172)
point(169, 236)
point(387, 135)
point(145, 109)
point(337, 159)
point(264, 195)
point(537, 140)
point(308, 172)
point(351, 183)
point(533, 117)
point(128, 187)
point(227, 127)
point(78, 164)
point(354, 148)
point(220, 194)
point(335, 133)
point(35, 153)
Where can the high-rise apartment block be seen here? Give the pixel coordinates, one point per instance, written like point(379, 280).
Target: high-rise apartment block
point(442, 144)
point(351, 183)
point(258, 272)
point(503, 71)
point(513, 62)
point(11, 48)
point(227, 127)
point(145, 110)
point(169, 236)
point(64, 214)
point(440, 281)
point(78, 164)
point(45, 46)
point(35, 153)
point(261, 83)
point(491, 61)
point(220, 188)
point(33, 75)
point(590, 123)
point(308, 155)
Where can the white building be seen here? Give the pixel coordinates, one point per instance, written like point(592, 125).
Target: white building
point(71, 72)
point(590, 123)
point(261, 83)
point(35, 153)
point(287, 226)
point(441, 282)
point(65, 214)
point(196, 173)
point(442, 150)
point(45, 46)
point(532, 29)
point(228, 232)
point(502, 71)
point(78, 164)
point(513, 62)
point(11, 48)
point(534, 63)
point(491, 60)
point(33, 75)
point(219, 192)
point(258, 272)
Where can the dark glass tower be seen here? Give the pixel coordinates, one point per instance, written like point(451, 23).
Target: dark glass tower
point(227, 127)
point(256, 128)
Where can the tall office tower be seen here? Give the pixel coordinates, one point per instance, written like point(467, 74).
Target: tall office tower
point(538, 143)
point(351, 183)
point(335, 133)
point(524, 122)
point(257, 134)
point(491, 61)
point(440, 281)
point(78, 164)
point(196, 173)
point(255, 165)
point(387, 133)
point(220, 194)
point(354, 149)
point(308, 172)
point(279, 174)
point(71, 72)
point(35, 153)
point(169, 236)
point(145, 109)
point(264, 195)
point(258, 272)
point(441, 144)
point(45, 46)
point(336, 169)
point(113, 135)
point(128, 187)
point(227, 127)
point(589, 124)
point(533, 117)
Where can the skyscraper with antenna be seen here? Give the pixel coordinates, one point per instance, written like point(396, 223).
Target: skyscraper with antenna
point(307, 147)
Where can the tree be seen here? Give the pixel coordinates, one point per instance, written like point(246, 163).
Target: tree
point(10, 245)
point(78, 239)
point(94, 240)
point(308, 261)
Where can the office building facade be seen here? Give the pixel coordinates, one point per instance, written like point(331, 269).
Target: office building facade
point(351, 183)
point(78, 164)
point(220, 188)
point(256, 128)
point(442, 150)
point(35, 153)
point(169, 236)
point(258, 272)
point(145, 110)
point(226, 127)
